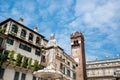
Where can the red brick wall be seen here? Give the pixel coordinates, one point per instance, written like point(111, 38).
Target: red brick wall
point(81, 68)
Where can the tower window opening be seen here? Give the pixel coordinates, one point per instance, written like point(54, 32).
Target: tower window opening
point(76, 42)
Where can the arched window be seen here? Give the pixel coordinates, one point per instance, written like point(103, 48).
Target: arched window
point(76, 42)
point(23, 33)
point(37, 40)
point(30, 36)
point(14, 28)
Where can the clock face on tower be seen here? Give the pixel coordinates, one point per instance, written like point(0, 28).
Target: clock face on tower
point(75, 52)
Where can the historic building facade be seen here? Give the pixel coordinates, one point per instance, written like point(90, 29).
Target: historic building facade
point(108, 69)
point(23, 51)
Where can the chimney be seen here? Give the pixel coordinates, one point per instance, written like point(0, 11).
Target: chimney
point(106, 57)
point(21, 20)
point(35, 28)
point(96, 58)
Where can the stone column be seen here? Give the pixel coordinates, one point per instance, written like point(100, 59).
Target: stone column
point(19, 31)
point(8, 28)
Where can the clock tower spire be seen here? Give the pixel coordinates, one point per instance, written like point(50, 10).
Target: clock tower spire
point(78, 54)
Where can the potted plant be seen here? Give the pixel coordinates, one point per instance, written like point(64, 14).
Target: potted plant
point(18, 59)
point(24, 62)
point(3, 58)
point(2, 30)
point(22, 37)
point(11, 58)
point(6, 62)
point(29, 63)
point(18, 62)
point(13, 33)
point(35, 66)
point(30, 41)
point(38, 44)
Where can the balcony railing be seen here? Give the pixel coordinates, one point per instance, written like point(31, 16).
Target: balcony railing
point(104, 66)
point(100, 75)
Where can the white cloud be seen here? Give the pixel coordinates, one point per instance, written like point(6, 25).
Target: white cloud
point(92, 15)
point(97, 20)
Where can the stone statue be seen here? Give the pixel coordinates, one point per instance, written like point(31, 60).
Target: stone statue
point(50, 72)
point(51, 52)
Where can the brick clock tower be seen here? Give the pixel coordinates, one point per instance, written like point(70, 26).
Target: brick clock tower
point(78, 54)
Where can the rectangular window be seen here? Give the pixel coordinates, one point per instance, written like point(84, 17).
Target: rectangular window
point(10, 41)
point(74, 67)
point(68, 63)
point(37, 52)
point(23, 76)
point(34, 78)
point(63, 60)
point(74, 76)
point(28, 49)
point(16, 76)
point(43, 58)
point(61, 66)
point(24, 47)
point(1, 73)
point(21, 46)
point(68, 73)
point(63, 70)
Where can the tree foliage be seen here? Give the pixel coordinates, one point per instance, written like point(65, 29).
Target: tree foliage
point(24, 62)
point(3, 58)
point(2, 30)
point(18, 59)
point(35, 65)
point(29, 63)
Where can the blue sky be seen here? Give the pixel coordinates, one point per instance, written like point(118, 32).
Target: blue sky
point(98, 20)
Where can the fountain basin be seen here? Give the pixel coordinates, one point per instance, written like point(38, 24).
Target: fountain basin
point(48, 73)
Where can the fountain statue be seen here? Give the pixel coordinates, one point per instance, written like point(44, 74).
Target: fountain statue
point(50, 71)
point(51, 53)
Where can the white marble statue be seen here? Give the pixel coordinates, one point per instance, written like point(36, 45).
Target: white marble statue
point(50, 72)
point(51, 53)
